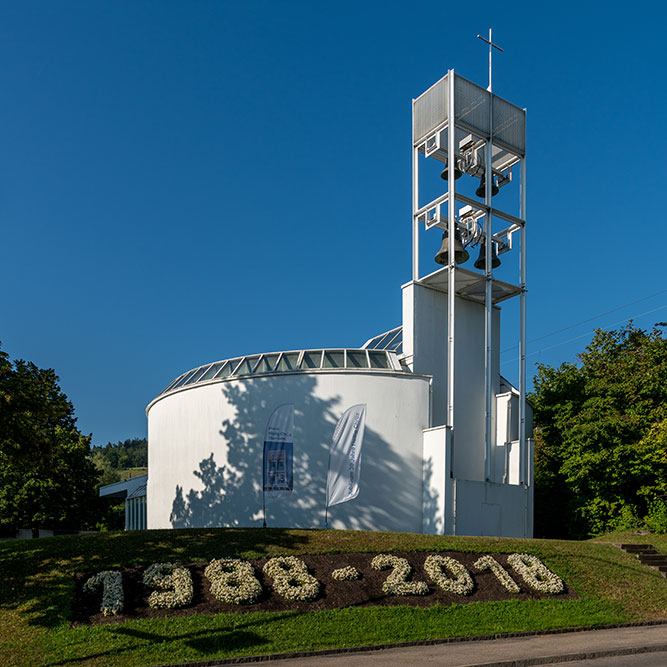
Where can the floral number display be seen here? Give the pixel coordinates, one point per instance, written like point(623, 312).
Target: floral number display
point(437, 567)
point(173, 584)
point(535, 573)
point(490, 563)
point(233, 581)
point(348, 573)
point(112, 591)
point(397, 582)
point(291, 579)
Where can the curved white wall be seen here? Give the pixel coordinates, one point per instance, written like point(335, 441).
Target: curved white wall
point(206, 444)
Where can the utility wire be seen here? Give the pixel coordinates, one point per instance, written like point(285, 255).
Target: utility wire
point(590, 319)
point(565, 342)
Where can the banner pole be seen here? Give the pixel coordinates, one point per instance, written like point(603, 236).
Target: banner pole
point(326, 495)
point(264, 485)
point(277, 471)
point(345, 457)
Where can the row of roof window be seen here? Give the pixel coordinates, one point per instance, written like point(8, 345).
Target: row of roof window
point(280, 362)
point(390, 340)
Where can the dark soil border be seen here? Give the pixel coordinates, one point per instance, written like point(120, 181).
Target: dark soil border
point(365, 592)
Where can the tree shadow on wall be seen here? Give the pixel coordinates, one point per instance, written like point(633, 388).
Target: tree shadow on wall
point(201, 507)
point(230, 491)
point(432, 522)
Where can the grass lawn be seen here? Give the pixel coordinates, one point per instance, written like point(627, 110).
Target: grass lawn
point(132, 472)
point(36, 590)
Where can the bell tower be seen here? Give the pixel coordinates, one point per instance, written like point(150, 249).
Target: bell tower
point(451, 313)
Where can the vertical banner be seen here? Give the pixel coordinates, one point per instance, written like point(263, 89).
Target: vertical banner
point(345, 457)
point(278, 454)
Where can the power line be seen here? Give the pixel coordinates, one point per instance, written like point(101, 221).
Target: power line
point(590, 319)
point(565, 342)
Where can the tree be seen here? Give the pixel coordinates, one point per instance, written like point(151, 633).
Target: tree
point(46, 474)
point(122, 455)
point(601, 436)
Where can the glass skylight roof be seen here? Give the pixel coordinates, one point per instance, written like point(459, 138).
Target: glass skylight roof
point(290, 362)
point(390, 340)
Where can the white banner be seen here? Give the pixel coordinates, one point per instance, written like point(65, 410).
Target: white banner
point(345, 456)
point(278, 454)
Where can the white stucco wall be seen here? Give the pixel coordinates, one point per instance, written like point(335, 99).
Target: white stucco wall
point(425, 343)
point(438, 482)
point(485, 508)
point(206, 443)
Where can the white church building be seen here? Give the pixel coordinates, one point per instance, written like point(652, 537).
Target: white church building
point(447, 446)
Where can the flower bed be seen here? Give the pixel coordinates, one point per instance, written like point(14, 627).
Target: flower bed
point(111, 584)
point(490, 563)
point(397, 582)
point(438, 568)
point(346, 574)
point(173, 584)
point(535, 573)
point(291, 579)
point(233, 581)
point(225, 585)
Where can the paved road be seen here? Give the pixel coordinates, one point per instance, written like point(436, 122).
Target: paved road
point(515, 652)
point(641, 660)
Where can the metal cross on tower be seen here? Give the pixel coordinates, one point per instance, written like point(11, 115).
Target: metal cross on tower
point(491, 47)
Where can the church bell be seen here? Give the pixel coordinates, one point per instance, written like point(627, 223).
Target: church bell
point(480, 262)
point(460, 253)
point(457, 172)
point(481, 190)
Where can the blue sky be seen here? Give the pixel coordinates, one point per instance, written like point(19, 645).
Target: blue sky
point(190, 181)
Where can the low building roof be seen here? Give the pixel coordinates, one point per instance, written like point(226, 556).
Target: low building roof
point(129, 487)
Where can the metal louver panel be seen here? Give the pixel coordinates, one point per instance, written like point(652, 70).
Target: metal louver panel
point(472, 102)
point(472, 105)
point(430, 110)
point(509, 124)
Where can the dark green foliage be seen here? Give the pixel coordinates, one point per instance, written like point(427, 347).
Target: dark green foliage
point(601, 437)
point(131, 453)
point(116, 457)
point(46, 476)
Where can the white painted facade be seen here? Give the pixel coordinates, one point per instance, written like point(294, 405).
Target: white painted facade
point(206, 443)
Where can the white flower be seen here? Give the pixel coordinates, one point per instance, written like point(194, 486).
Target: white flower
point(436, 567)
point(233, 581)
point(291, 579)
point(348, 573)
point(490, 563)
point(113, 599)
point(397, 582)
point(535, 573)
point(174, 584)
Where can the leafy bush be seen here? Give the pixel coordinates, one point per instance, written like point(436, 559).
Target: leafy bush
point(601, 436)
point(656, 519)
